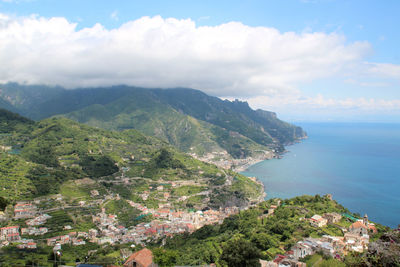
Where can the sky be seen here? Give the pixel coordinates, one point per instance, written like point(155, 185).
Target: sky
point(307, 60)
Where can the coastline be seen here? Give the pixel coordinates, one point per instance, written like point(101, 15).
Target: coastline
point(242, 166)
point(221, 159)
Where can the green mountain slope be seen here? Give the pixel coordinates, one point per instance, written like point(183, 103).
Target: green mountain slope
point(188, 119)
point(143, 111)
point(57, 151)
point(258, 233)
point(12, 122)
point(260, 126)
point(25, 97)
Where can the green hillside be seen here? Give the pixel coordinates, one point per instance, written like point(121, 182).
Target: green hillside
point(59, 150)
point(144, 112)
point(243, 239)
point(12, 122)
point(234, 116)
point(188, 119)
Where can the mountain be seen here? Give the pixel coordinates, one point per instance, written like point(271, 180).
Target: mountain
point(6, 105)
point(12, 122)
point(24, 97)
point(261, 126)
point(56, 153)
point(145, 111)
point(204, 126)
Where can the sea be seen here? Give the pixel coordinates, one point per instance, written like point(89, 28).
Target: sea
point(358, 163)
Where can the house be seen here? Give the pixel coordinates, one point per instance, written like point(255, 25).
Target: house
point(264, 263)
point(301, 249)
point(358, 228)
point(103, 240)
point(372, 228)
point(332, 217)
point(318, 221)
point(78, 242)
point(29, 245)
point(64, 239)
point(39, 220)
point(93, 233)
point(24, 211)
point(355, 242)
point(141, 258)
point(10, 233)
point(34, 231)
point(292, 263)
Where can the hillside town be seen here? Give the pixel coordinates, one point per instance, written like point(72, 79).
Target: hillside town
point(355, 239)
point(165, 223)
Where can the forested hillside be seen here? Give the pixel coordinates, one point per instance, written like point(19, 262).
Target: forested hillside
point(188, 119)
point(41, 158)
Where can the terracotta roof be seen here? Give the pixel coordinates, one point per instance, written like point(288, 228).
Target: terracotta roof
point(358, 224)
point(279, 258)
point(144, 257)
point(372, 228)
point(9, 227)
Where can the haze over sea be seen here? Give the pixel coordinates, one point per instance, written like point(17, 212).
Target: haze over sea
point(359, 164)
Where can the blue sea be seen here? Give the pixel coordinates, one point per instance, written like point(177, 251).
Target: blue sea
point(359, 164)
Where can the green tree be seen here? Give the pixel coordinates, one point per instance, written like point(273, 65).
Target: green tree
point(239, 252)
point(165, 258)
point(3, 203)
point(265, 241)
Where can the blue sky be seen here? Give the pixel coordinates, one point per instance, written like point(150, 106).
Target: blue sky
point(361, 85)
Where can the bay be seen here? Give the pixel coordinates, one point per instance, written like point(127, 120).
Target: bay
point(358, 163)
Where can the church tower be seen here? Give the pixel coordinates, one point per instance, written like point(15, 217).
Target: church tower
point(365, 220)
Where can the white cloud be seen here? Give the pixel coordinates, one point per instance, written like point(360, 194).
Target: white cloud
point(320, 102)
point(367, 83)
point(228, 59)
point(114, 15)
point(384, 70)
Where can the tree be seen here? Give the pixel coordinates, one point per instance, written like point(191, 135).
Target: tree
point(3, 203)
point(265, 241)
point(165, 258)
point(238, 252)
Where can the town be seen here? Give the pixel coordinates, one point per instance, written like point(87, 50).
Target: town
point(355, 239)
point(166, 222)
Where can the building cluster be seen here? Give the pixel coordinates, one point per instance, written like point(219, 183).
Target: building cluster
point(24, 210)
point(9, 233)
point(356, 238)
point(165, 224)
point(39, 220)
point(27, 244)
point(34, 231)
point(327, 218)
point(73, 238)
